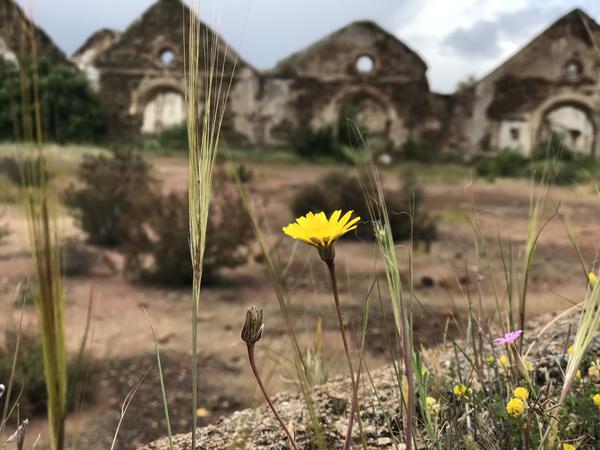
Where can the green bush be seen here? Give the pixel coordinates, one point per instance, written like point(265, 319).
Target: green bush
point(70, 110)
point(506, 163)
point(411, 151)
point(342, 191)
point(29, 376)
point(553, 149)
point(77, 259)
point(312, 143)
point(159, 249)
point(111, 190)
point(172, 139)
point(348, 127)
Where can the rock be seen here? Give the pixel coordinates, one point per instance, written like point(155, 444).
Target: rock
point(256, 429)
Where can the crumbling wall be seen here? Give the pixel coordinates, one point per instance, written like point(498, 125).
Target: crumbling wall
point(140, 75)
point(561, 65)
point(17, 32)
point(360, 67)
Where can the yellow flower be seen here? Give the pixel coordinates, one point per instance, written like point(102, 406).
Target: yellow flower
point(317, 230)
point(461, 389)
point(596, 399)
point(569, 447)
point(594, 371)
point(490, 360)
point(592, 278)
point(515, 407)
point(578, 374)
point(570, 350)
point(433, 406)
point(504, 362)
point(529, 365)
point(521, 393)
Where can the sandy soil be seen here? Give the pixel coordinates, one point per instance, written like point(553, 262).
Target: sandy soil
point(120, 333)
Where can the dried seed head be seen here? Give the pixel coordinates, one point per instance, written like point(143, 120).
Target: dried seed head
point(253, 325)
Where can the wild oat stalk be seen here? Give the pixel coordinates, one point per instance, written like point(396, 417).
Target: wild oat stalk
point(589, 325)
point(401, 304)
point(206, 94)
point(41, 213)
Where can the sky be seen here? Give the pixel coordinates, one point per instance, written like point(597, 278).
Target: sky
point(456, 38)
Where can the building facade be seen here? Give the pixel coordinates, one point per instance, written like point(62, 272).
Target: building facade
point(549, 87)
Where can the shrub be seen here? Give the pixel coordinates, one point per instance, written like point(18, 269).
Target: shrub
point(112, 190)
point(312, 143)
point(170, 139)
point(554, 149)
point(29, 376)
point(70, 110)
point(342, 191)
point(159, 249)
point(349, 128)
point(77, 259)
point(507, 163)
point(411, 151)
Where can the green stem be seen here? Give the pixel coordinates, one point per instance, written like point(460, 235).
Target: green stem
point(354, 405)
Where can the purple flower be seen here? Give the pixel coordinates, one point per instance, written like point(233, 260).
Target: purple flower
point(509, 337)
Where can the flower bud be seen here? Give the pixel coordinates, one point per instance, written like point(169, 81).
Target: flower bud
point(253, 325)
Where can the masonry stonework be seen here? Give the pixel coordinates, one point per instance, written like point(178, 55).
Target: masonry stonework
point(549, 87)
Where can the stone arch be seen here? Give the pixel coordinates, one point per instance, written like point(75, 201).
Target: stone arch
point(159, 104)
point(371, 109)
point(571, 117)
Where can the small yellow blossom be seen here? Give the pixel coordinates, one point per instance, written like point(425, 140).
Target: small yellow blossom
point(433, 406)
point(592, 278)
point(529, 365)
point(515, 407)
point(578, 374)
point(318, 230)
point(504, 362)
point(596, 399)
point(570, 350)
point(461, 389)
point(490, 360)
point(594, 370)
point(521, 393)
point(569, 447)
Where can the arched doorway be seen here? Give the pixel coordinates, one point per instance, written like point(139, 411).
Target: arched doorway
point(164, 109)
point(572, 124)
point(365, 112)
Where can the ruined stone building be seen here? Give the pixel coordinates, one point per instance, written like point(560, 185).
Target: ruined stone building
point(551, 86)
point(18, 32)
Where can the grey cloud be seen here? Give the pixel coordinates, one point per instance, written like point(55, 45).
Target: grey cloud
point(482, 39)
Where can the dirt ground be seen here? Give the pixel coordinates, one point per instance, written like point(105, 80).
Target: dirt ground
point(444, 279)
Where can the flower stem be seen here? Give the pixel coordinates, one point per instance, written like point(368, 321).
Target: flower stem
point(354, 405)
point(264, 392)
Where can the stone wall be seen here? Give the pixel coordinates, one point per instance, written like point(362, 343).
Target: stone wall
point(515, 105)
point(361, 71)
point(17, 32)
